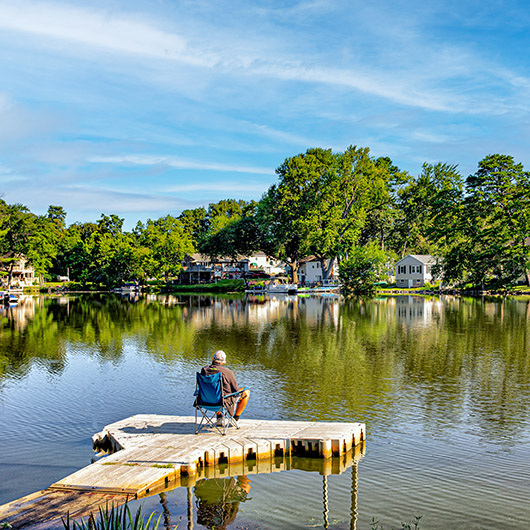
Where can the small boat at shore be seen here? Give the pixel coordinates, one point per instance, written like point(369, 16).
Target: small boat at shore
point(128, 288)
point(327, 286)
point(279, 286)
point(8, 298)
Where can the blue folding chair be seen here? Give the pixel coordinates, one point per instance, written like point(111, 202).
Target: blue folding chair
point(210, 400)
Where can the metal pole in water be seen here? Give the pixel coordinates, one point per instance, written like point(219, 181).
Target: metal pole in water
point(190, 508)
point(353, 522)
point(325, 496)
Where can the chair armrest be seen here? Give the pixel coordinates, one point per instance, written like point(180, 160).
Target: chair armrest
point(235, 393)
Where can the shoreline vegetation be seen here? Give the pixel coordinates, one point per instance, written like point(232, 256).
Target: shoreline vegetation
point(347, 208)
point(238, 287)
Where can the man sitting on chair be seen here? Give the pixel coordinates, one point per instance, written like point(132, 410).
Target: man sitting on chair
point(229, 385)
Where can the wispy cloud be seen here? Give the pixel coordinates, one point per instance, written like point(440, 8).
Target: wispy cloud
point(136, 37)
point(17, 122)
point(178, 163)
point(190, 100)
point(94, 201)
point(102, 29)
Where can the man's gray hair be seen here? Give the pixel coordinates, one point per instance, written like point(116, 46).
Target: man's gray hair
point(220, 356)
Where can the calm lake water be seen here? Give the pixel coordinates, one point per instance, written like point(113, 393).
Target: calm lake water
point(443, 385)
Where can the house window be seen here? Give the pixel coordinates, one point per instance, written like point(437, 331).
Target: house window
point(402, 269)
point(415, 269)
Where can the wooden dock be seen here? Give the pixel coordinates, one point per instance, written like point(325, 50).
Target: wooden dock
point(149, 454)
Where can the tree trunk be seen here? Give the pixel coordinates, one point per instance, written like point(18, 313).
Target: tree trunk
point(10, 275)
point(294, 268)
point(327, 267)
point(323, 268)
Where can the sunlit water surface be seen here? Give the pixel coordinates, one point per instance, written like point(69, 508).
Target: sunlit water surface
point(443, 385)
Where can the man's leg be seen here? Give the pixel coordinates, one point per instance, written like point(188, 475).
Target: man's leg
point(242, 403)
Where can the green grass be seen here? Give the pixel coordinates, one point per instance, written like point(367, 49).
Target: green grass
point(222, 286)
point(69, 286)
point(163, 466)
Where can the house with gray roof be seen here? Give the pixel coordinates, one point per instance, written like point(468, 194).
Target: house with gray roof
point(415, 270)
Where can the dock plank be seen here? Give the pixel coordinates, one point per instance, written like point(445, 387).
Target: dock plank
point(150, 441)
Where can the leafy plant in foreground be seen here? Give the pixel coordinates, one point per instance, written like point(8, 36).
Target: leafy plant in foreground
point(114, 518)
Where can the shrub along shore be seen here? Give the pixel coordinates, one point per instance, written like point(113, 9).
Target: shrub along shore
point(238, 286)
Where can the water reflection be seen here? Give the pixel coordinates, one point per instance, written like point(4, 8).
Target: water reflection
point(443, 385)
point(220, 497)
point(217, 500)
point(450, 361)
point(417, 310)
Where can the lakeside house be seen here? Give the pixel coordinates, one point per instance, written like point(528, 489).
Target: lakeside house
point(259, 261)
point(310, 270)
point(415, 270)
point(22, 273)
point(200, 268)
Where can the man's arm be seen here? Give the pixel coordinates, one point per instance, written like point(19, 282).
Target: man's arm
point(231, 378)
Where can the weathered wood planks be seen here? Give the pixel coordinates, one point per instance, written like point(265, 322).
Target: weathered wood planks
point(155, 452)
point(150, 454)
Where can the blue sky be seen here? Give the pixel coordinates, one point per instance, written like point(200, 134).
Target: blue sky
point(146, 108)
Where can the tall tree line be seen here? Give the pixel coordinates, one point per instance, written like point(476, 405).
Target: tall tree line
point(347, 207)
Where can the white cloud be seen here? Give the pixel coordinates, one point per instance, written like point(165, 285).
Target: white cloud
point(178, 163)
point(18, 122)
point(107, 30)
point(430, 137)
point(4, 170)
point(407, 83)
point(95, 200)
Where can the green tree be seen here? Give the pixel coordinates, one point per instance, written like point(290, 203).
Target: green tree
point(430, 211)
point(168, 243)
point(381, 220)
point(239, 235)
point(322, 203)
point(355, 195)
point(222, 213)
point(57, 214)
point(288, 210)
point(496, 222)
point(25, 235)
point(72, 256)
point(363, 267)
point(194, 223)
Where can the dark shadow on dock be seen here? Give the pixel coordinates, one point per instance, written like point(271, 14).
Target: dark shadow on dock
point(165, 428)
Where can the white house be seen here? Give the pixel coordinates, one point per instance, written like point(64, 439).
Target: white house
point(199, 268)
point(310, 270)
point(414, 270)
point(260, 261)
point(22, 273)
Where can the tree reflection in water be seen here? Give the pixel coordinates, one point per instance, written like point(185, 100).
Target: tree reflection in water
point(454, 359)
